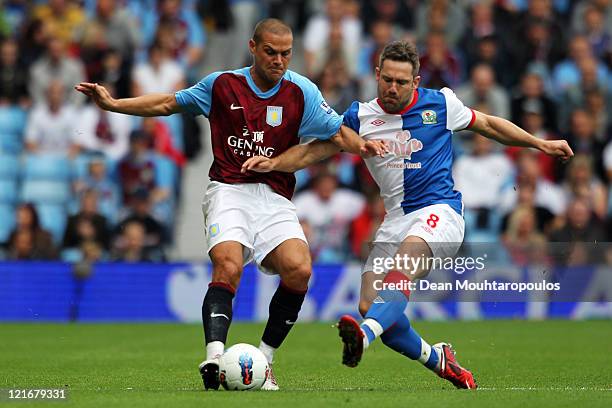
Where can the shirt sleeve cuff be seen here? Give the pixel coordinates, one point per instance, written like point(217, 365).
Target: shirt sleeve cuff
point(471, 120)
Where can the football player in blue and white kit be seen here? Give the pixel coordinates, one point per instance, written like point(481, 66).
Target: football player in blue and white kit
point(424, 216)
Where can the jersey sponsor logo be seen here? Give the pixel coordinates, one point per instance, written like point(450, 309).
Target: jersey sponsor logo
point(400, 165)
point(326, 107)
point(258, 136)
point(250, 144)
point(378, 122)
point(403, 146)
point(429, 117)
point(234, 107)
point(274, 115)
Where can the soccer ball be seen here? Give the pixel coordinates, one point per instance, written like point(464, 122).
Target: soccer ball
point(243, 367)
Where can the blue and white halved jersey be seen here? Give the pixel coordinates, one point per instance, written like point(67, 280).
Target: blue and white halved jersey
point(418, 170)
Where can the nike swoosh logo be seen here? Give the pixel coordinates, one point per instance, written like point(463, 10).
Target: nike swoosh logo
point(289, 322)
point(232, 107)
point(219, 315)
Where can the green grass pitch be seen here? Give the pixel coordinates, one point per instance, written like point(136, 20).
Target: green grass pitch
point(516, 363)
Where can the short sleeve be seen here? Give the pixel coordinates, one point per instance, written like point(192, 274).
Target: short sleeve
point(351, 117)
point(319, 119)
point(198, 98)
point(458, 116)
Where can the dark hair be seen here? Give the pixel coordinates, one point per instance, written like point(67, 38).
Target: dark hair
point(271, 25)
point(33, 213)
point(401, 51)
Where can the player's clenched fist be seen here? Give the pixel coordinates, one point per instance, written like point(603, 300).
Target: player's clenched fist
point(557, 148)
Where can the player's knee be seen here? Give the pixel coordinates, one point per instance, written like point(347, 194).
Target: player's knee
point(298, 275)
point(227, 271)
point(364, 306)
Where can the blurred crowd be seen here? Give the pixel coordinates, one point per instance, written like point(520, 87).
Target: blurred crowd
point(79, 183)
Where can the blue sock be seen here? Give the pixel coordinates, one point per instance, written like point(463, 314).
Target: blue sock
point(405, 340)
point(388, 306)
point(386, 309)
point(369, 333)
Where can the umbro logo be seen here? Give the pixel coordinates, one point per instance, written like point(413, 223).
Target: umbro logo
point(232, 107)
point(378, 122)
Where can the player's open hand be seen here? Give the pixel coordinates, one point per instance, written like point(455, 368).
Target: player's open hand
point(558, 148)
point(260, 164)
point(98, 93)
point(373, 148)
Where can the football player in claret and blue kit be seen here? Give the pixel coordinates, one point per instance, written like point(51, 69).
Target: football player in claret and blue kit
point(263, 110)
point(424, 214)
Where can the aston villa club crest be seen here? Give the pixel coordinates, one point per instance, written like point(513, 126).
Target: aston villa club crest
point(274, 115)
point(429, 117)
point(213, 230)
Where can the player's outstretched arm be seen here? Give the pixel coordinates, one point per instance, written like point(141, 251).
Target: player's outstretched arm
point(293, 159)
point(509, 134)
point(145, 105)
point(349, 141)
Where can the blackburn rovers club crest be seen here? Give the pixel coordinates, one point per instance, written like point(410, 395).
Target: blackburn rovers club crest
point(246, 369)
point(429, 117)
point(274, 115)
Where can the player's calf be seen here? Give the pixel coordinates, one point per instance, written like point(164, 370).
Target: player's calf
point(284, 309)
point(364, 306)
point(216, 318)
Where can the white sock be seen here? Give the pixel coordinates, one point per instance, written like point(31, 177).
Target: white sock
point(375, 327)
point(439, 353)
point(268, 351)
point(214, 349)
point(426, 351)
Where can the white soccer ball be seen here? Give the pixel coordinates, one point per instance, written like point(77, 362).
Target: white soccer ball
point(243, 367)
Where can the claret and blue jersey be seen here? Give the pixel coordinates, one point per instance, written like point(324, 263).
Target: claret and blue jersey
point(418, 171)
point(246, 122)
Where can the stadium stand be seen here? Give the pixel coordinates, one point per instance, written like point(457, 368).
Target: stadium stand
point(545, 65)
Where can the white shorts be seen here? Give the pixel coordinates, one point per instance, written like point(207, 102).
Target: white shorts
point(252, 214)
point(438, 225)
